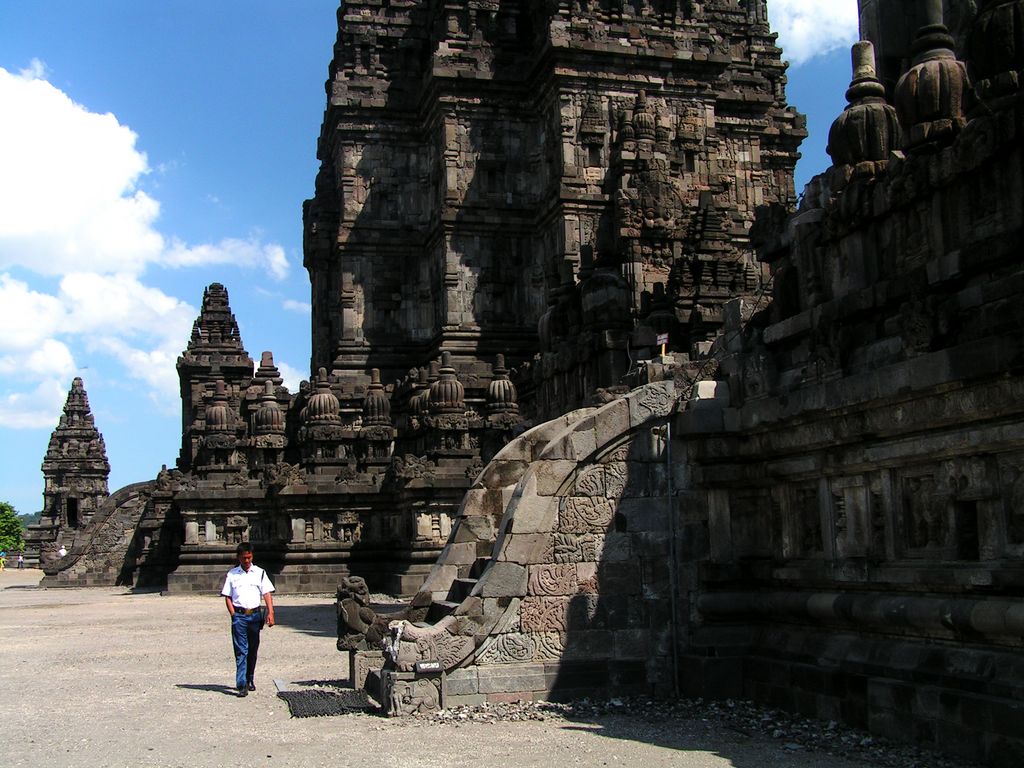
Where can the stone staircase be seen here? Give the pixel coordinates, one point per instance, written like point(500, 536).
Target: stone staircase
point(470, 546)
point(100, 553)
point(553, 579)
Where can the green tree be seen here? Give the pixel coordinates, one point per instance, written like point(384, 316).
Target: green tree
point(11, 530)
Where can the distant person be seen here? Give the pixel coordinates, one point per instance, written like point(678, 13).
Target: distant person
point(21, 561)
point(244, 585)
point(62, 551)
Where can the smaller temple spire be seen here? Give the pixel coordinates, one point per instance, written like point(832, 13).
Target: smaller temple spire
point(267, 371)
point(216, 328)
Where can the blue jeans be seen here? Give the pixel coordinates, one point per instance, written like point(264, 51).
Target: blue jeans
point(245, 638)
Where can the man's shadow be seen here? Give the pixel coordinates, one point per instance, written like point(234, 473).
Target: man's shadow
point(227, 690)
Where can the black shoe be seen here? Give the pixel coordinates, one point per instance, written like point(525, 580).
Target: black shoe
point(243, 691)
point(252, 686)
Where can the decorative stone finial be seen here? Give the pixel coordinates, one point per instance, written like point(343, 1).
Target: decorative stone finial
point(501, 394)
point(868, 130)
point(323, 406)
point(269, 418)
point(930, 95)
point(218, 416)
point(447, 393)
point(376, 405)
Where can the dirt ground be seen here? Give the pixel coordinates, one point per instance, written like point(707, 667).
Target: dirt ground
point(104, 677)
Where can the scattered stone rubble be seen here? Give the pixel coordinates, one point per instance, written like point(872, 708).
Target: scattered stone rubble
point(792, 732)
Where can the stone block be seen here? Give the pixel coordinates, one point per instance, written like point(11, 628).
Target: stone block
point(504, 472)
point(611, 422)
point(553, 579)
point(534, 514)
point(551, 475)
point(460, 554)
point(631, 643)
point(589, 644)
point(616, 547)
point(585, 514)
point(584, 443)
point(360, 663)
point(525, 678)
point(462, 682)
point(526, 548)
point(440, 580)
point(502, 614)
point(619, 578)
point(412, 693)
point(647, 515)
point(650, 403)
point(474, 528)
point(544, 614)
point(502, 579)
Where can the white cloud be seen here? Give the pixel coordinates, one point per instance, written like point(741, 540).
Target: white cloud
point(243, 253)
point(292, 376)
point(51, 358)
point(27, 317)
point(122, 303)
point(302, 307)
point(70, 198)
point(36, 70)
point(809, 28)
point(71, 208)
point(38, 409)
point(68, 193)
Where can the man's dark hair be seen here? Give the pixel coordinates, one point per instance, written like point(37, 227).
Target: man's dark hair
point(245, 546)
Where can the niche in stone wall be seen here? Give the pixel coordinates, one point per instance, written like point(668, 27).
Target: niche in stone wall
point(1011, 474)
point(800, 514)
point(951, 510)
point(849, 506)
point(924, 519)
point(750, 518)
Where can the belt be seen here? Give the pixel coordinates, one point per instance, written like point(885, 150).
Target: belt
point(246, 611)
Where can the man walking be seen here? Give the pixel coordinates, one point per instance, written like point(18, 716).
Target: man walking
point(243, 587)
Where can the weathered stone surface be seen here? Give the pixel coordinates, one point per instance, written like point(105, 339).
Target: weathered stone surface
point(517, 678)
point(503, 579)
point(526, 548)
point(534, 514)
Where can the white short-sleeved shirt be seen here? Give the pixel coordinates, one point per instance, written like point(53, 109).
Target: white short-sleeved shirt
point(245, 588)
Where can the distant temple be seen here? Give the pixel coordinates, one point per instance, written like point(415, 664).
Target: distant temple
point(619, 412)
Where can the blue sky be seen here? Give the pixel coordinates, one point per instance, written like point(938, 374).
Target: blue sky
point(148, 149)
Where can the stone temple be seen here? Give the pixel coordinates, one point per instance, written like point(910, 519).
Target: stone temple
point(615, 409)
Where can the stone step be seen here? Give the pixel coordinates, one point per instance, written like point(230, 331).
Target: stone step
point(441, 608)
point(461, 588)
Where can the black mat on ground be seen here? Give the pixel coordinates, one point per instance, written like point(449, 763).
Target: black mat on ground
point(317, 702)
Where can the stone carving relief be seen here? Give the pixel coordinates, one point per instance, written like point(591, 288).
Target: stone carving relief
point(513, 648)
point(580, 514)
point(548, 646)
point(544, 614)
point(412, 696)
point(556, 579)
point(574, 548)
